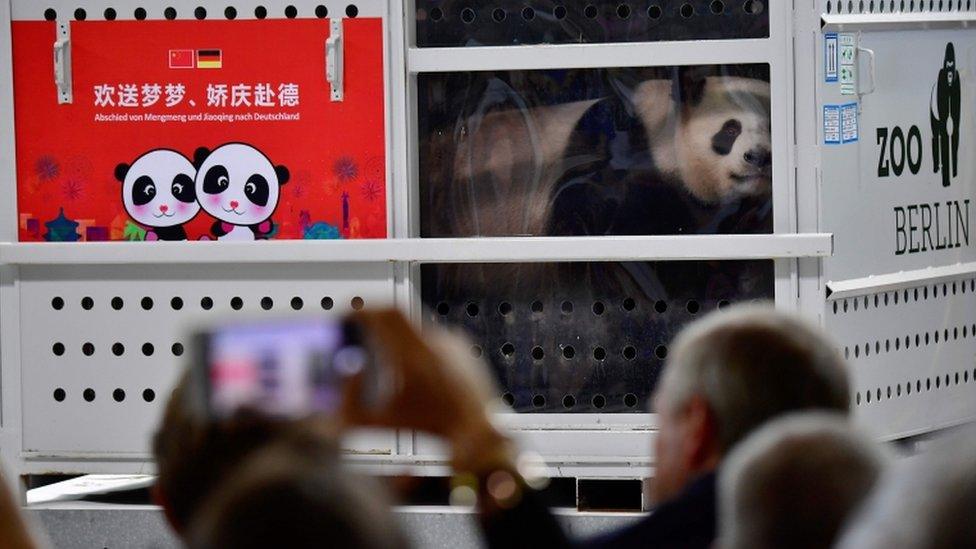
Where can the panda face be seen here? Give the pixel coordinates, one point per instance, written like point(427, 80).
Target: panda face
point(237, 184)
point(723, 143)
point(158, 189)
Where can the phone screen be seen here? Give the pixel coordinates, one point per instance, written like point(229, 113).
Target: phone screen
point(285, 369)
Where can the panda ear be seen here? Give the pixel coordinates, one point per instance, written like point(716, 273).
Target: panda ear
point(199, 156)
point(283, 174)
point(688, 86)
point(121, 171)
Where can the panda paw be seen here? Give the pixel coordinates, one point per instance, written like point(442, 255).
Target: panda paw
point(265, 228)
point(151, 236)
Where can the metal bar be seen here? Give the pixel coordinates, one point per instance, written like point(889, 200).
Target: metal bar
point(842, 289)
point(589, 56)
point(448, 250)
point(898, 21)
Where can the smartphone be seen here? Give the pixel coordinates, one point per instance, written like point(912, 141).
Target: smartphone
point(287, 368)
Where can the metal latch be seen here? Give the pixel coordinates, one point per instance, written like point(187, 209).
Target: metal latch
point(62, 63)
point(334, 60)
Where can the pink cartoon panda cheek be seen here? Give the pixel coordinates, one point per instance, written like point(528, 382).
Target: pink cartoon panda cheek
point(141, 210)
point(213, 200)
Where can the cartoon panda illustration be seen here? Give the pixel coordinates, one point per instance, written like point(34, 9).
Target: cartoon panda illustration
point(240, 187)
point(158, 193)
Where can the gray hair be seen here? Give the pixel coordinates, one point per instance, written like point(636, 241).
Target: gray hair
point(795, 482)
point(752, 363)
point(927, 502)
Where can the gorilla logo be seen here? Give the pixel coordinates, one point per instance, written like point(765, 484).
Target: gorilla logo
point(945, 118)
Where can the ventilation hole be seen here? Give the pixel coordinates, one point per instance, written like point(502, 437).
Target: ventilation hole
point(723, 304)
point(889, 392)
point(327, 304)
point(58, 349)
point(508, 399)
point(538, 353)
point(149, 395)
point(600, 354)
point(504, 308)
point(876, 301)
point(87, 303)
point(957, 378)
point(471, 309)
point(918, 340)
point(857, 351)
point(89, 395)
point(206, 303)
point(477, 351)
point(908, 388)
point(118, 395)
point(630, 400)
point(508, 349)
point(630, 352)
point(661, 307)
point(140, 14)
point(591, 11)
point(110, 14)
point(267, 303)
point(291, 12)
point(886, 299)
point(599, 401)
point(118, 349)
point(230, 12)
point(938, 382)
point(539, 401)
point(599, 308)
point(567, 307)
point(237, 303)
point(321, 11)
point(878, 396)
point(537, 307)
point(176, 303)
point(467, 16)
point(569, 401)
point(358, 303)
point(50, 15)
point(936, 333)
point(57, 303)
point(352, 11)
point(169, 13)
point(855, 304)
point(955, 333)
point(498, 15)
point(654, 12)
point(177, 349)
point(260, 12)
point(59, 394)
point(148, 349)
point(693, 307)
point(916, 294)
point(200, 12)
point(857, 399)
point(528, 13)
point(847, 352)
point(887, 345)
point(559, 12)
point(867, 349)
point(867, 396)
point(88, 349)
point(918, 386)
point(925, 293)
point(147, 303)
point(629, 304)
point(661, 351)
point(877, 347)
point(81, 14)
point(436, 14)
point(297, 304)
point(687, 10)
point(569, 352)
point(623, 11)
point(835, 307)
point(928, 384)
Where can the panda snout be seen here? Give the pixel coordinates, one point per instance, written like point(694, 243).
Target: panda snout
point(759, 157)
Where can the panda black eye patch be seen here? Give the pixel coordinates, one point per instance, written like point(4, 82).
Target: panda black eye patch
point(216, 181)
point(183, 189)
point(723, 141)
point(257, 190)
point(143, 191)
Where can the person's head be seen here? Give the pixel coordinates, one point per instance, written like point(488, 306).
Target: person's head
point(795, 481)
point(926, 502)
point(730, 373)
point(193, 454)
point(295, 494)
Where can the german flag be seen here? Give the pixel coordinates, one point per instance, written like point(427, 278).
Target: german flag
point(209, 59)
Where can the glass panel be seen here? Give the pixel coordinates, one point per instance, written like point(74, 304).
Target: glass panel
point(447, 23)
point(634, 151)
point(587, 337)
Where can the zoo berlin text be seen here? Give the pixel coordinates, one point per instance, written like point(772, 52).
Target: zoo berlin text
point(154, 118)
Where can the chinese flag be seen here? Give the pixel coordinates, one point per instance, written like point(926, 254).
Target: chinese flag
point(181, 59)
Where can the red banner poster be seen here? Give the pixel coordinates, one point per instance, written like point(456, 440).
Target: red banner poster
point(200, 130)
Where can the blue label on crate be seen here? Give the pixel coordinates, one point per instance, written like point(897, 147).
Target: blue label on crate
point(830, 57)
point(831, 124)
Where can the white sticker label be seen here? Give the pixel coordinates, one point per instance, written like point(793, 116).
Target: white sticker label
point(848, 124)
point(831, 124)
point(830, 57)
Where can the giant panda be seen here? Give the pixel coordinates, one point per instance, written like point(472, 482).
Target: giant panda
point(158, 193)
point(240, 187)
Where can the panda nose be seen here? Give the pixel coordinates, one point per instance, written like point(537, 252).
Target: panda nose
point(164, 208)
point(234, 204)
point(759, 158)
